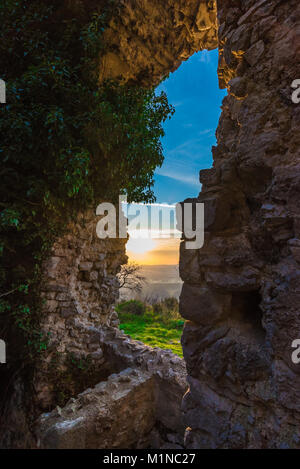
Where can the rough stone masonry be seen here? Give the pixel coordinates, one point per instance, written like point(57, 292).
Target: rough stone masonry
point(241, 292)
point(79, 284)
point(241, 295)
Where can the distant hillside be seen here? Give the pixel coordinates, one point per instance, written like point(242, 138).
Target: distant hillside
point(162, 281)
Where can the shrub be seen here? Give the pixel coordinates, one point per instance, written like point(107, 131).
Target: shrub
point(66, 141)
point(171, 304)
point(132, 307)
point(155, 327)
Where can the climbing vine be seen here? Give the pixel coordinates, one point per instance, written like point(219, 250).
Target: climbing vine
point(67, 141)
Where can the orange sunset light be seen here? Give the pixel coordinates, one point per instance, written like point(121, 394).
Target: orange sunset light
point(153, 251)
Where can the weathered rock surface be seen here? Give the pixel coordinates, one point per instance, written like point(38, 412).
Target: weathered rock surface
point(168, 370)
point(138, 406)
point(149, 39)
point(241, 294)
point(79, 283)
point(118, 413)
point(241, 291)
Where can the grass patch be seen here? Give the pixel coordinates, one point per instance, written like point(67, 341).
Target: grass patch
point(157, 326)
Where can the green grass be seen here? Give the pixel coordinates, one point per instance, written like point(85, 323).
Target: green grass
point(154, 330)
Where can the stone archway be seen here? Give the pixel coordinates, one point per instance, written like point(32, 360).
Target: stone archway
point(241, 292)
point(240, 295)
point(79, 286)
point(148, 39)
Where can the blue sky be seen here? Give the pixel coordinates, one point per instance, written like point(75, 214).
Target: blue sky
point(194, 92)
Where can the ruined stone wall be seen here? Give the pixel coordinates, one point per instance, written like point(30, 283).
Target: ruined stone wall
point(81, 380)
point(79, 284)
point(117, 413)
point(241, 294)
point(241, 291)
point(145, 41)
point(137, 406)
point(148, 39)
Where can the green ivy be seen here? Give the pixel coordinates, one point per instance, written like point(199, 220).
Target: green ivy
point(70, 375)
point(67, 142)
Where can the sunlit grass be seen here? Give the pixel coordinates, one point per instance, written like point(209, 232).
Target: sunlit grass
point(153, 330)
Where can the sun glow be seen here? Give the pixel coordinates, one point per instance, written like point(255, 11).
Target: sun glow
point(140, 245)
point(148, 251)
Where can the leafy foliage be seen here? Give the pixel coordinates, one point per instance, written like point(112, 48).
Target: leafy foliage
point(67, 142)
point(160, 324)
point(134, 307)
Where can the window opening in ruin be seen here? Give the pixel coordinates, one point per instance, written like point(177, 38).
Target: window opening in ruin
point(148, 305)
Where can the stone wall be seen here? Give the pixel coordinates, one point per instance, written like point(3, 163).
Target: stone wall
point(117, 413)
point(168, 370)
point(79, 284)
point(148, 39)
point(241, 293)
point(137, 406)
point(87, 356)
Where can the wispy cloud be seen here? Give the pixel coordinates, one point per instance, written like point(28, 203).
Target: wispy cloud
point(189, 152)
point(206, 132)
point(178, 104)
point(178, 176)
point(183, 162)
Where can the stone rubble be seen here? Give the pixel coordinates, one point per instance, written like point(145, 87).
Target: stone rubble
point(138, 406)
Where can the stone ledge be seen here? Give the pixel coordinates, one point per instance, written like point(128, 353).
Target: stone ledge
point(117, 413)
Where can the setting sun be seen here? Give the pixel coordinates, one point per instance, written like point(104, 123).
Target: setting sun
point(153, 251)
point(140, 246)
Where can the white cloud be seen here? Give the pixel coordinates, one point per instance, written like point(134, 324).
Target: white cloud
point(206, 132)
point(178, 176)
point(178, 103)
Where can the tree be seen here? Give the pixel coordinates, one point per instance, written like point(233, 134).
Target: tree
point(67, 141)
point(131, 278)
